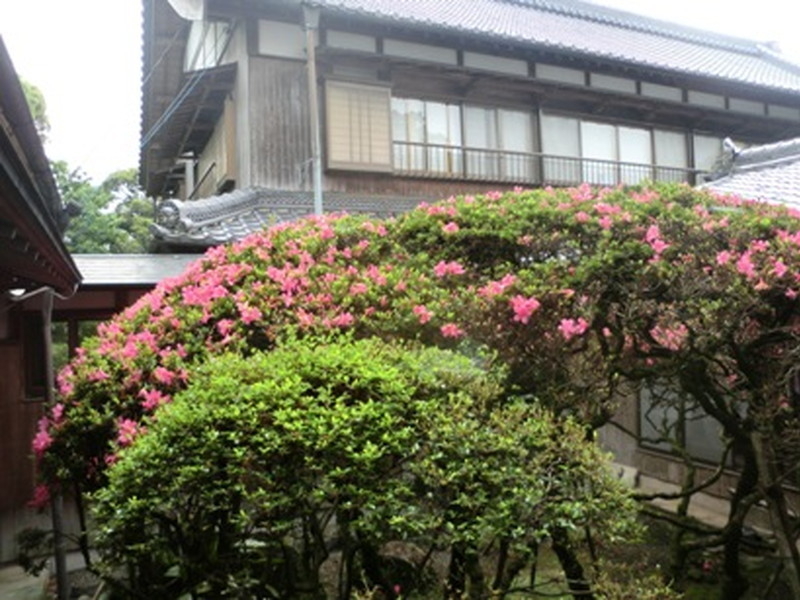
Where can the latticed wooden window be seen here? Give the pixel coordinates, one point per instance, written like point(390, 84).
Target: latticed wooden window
point(359, 132)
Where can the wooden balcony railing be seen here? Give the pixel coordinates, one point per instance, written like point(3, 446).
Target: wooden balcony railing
point(527, 168)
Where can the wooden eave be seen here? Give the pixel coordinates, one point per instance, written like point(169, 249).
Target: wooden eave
point(456, 83)
point(32, 253)
point(187, 123)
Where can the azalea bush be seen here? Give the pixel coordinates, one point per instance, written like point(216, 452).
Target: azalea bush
point(246, 481)
point(580, 293)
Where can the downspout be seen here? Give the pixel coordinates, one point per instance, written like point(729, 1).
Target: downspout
point(311, 25)
point(62, 578)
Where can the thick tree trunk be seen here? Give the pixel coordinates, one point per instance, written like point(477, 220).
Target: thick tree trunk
point(372, 568)
point(456, 583)
point(534, 563)
point(678, 553)
point(734, 584)
point(477, 588)
point(573, 570)
point(779, 511)
point(509, 565)
point(83, 538)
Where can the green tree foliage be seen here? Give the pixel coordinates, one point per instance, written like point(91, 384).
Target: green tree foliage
point(112, 218)
point(38, 108)
point(243, 485)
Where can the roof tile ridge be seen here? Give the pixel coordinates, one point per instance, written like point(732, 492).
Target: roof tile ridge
point(767, 155)
point(633, 21)
point(772, 52)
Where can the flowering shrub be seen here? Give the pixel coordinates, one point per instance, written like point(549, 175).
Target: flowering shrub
point(576, 291)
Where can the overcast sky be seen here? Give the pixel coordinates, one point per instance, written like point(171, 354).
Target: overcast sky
point(85, 57)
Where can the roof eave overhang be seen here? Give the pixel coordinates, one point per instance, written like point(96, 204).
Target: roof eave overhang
point(32, 253)
point(186, 125)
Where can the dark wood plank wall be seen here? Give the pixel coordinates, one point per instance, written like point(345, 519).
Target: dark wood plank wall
point(19, 418)
point(279, 124)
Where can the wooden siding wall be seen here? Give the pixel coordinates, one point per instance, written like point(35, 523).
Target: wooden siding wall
point(217, 164)
point(19, 418)
point(279, 130)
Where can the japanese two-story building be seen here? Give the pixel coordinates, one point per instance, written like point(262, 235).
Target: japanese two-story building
point(263, 110)
point(420, 99)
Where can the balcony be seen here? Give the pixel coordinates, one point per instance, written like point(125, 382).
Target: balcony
point(526, 168)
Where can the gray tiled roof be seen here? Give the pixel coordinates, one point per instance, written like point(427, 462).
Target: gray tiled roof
point(229, 217)
point(770, 173)
point(100, 270)
point(589, 29)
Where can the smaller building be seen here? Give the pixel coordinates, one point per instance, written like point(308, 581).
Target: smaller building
point(33, 261)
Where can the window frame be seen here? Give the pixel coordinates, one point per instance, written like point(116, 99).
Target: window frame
point(333, 119)
point(679, 425)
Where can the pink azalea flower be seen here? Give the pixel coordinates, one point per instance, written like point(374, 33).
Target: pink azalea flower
point(57, 413)
point(495, 288)
point(604, 208)
point(163, 375)
point(724, 257)
point(644, 197)
point(581, 193)
point(791, 294)
point(670, 338)
point(451, 330)
point(779, 268)
point(443, 269)
point(374, 273)
point(523, 308)
point(152, 399)
point(582, 217)
point(98, 375)
point(570, 328)
point(659, 246)
point(450, 227)
point(304, 318)
point(249, 314)
point(224, 326)
point(745, 266)
point(42, 441)
point(127, 430)
point(423, 314)
point(344, 319)
point(358, 288)
point(40, 498)
point(653, 233)
point(605, 222)
point(130, 350)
